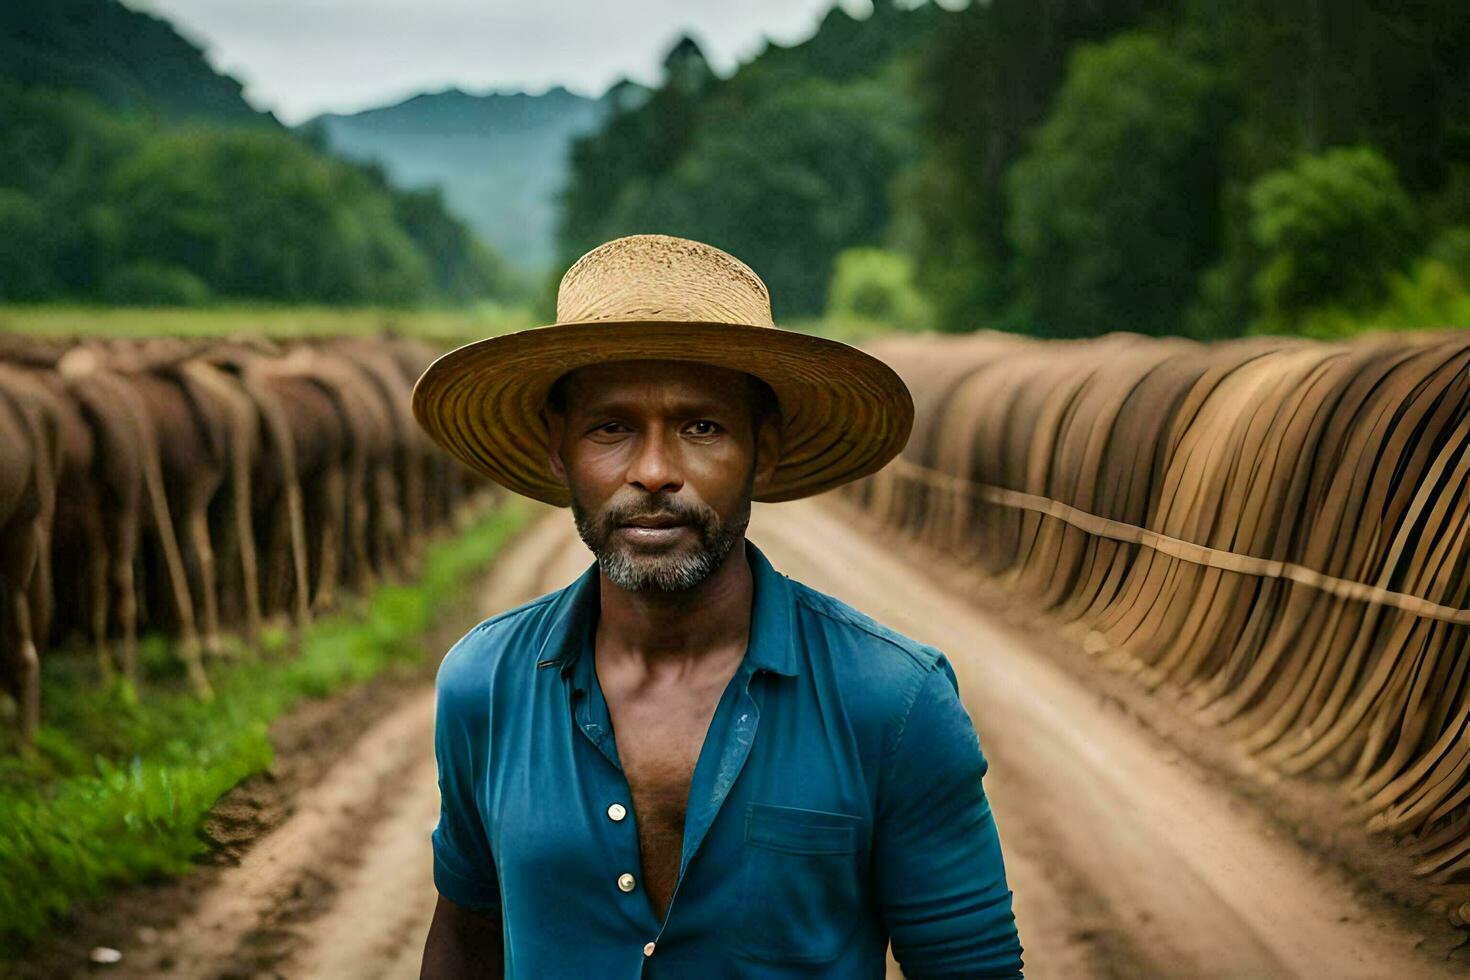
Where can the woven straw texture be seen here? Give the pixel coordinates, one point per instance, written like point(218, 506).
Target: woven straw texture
point(1272, 533)
point(654, 297)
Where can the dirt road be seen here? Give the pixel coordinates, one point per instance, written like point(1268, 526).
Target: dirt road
point(1125, 859)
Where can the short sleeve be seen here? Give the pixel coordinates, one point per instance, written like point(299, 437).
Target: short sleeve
point(940, 877)
point(464, 866)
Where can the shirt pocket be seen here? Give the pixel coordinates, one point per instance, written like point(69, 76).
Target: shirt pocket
point(801, 894)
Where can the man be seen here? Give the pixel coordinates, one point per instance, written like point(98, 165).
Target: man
point(686, 764)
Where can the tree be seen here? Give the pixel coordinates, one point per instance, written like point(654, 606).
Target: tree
point(877, 285)
point(986, 80)
point(1114, 207)
point(1331, 230)
point(121, 208)
point(784, 164)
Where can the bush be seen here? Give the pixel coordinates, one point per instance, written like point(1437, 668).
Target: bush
point(873, 284)
point(1331, 230)
point(1452, 248)
point(1433, 294)
point(154, 284)
point(25, 248)
point(1114, 207)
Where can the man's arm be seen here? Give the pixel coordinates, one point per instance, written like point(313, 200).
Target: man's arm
point(465, 937)
point(463, 944)
point(941, 882)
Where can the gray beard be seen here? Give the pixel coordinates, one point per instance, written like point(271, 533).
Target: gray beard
point(673, 572)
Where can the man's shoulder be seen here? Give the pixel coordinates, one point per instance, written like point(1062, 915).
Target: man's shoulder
point(476, 658)
point(862, 634)
point(879, 670)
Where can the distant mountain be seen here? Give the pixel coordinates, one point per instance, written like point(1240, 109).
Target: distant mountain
point(123, 58)
point(131, 172)
point(500, 158)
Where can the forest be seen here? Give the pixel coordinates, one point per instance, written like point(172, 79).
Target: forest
point(1072, 167)
point(132, 173)
point(1060, 169)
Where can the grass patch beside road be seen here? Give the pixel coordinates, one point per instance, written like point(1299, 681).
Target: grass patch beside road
point(446, 327)
point(117, 787)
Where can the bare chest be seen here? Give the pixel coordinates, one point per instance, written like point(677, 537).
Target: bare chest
point(658, 742)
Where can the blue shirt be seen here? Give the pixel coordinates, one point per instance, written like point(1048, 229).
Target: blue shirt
point(836, 802)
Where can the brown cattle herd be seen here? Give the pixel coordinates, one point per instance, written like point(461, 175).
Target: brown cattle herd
point(198, 487)
point(1275, 529)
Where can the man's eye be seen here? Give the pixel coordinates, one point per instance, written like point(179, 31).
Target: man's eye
point(608, 427)
point(703, 427)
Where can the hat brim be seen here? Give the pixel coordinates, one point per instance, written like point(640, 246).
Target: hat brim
point(844, 412)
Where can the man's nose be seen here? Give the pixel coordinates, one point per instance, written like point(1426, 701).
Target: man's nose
point(655, 467)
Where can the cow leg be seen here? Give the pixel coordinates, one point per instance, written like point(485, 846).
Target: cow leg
point(356, 534)
point(125, 589)
point(329, 531)
point(96, 594)
point(389, 532)
point(413, 514)
point(198, 521)
point(28, 670)
point(18, 561)
point(244, 531)
point(275, 567)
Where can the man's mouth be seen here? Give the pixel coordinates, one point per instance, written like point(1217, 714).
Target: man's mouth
point(655, 521)
point(653, 529)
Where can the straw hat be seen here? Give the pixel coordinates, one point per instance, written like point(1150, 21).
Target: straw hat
point(844, 413)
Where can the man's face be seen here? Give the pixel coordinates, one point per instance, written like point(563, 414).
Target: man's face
point(660, 459)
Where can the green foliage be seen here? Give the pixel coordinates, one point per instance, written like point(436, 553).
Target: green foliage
point(260, 215)
point(985, 81)
point(1433, 294)
point(463, 268)
point(1451, 248)
point(124, 58)
point(1100, 239)
point(784, 164)
point(153, 284)
point(118, 784)
point(1313, 74)
point(25, 233)
point(1292, 78)
point(873, 284)
point(1330, 230)
point(127, 211)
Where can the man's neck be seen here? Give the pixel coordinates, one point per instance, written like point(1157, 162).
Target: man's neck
point(670, 630)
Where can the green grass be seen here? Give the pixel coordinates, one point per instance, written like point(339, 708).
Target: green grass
point(117, 787)
point(444, 326)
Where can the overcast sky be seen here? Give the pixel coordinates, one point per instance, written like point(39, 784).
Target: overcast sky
point(302, 57)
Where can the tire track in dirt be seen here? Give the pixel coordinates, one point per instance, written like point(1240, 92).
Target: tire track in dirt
point(378, 924)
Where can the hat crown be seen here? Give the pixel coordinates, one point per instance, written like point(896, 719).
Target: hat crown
point(659, 277)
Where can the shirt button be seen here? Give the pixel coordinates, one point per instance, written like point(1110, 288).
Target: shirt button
point(648, 949)
point(617, 811)
point(626, 882)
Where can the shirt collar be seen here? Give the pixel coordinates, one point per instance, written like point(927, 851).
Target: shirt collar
point(772, 638)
